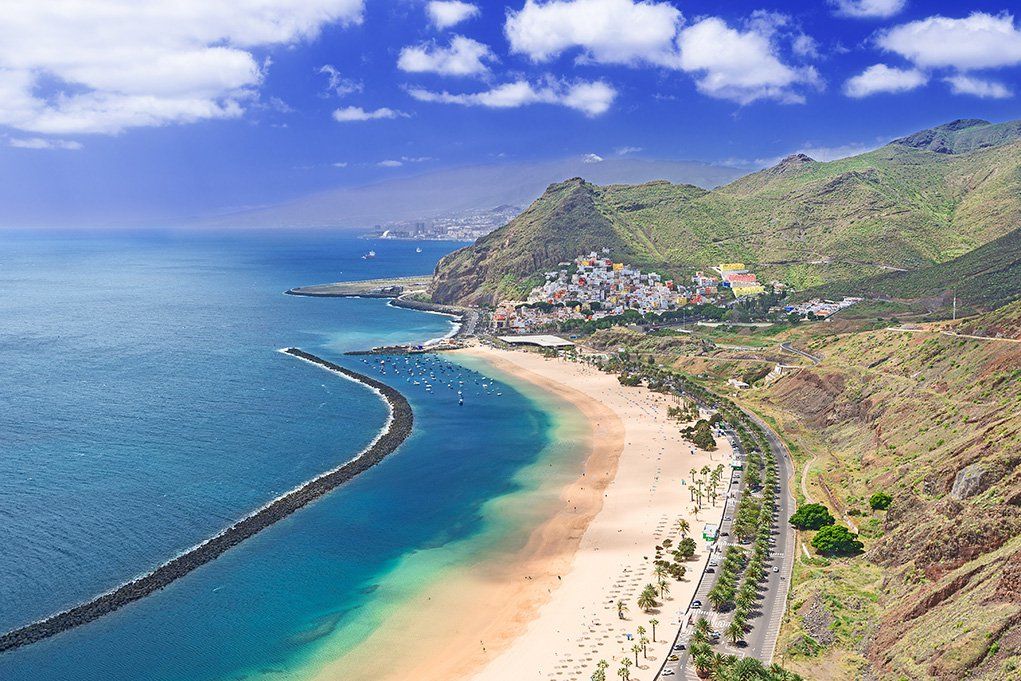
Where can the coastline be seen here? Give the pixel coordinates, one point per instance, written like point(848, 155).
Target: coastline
point(394, 432)
point(526, 614)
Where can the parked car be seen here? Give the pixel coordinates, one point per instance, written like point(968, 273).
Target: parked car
point(696, 604)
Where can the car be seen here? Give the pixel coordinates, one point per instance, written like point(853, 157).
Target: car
point(679, 646)
point(713, 563)
point(673, 658)
point(727, 518)
point(668, 672)
point(724, 534)
point(776, 569)
point(696, 604)
point(713, 570)
point(714, 635)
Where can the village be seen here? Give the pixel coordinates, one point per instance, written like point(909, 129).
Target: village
point(594, 286)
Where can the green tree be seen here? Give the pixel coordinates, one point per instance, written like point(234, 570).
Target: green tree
point(654, 622)
point(811, 517)
point(734, 631)
point(647, 599)
point(621, 609)
point(836, 540)
point(880, 501)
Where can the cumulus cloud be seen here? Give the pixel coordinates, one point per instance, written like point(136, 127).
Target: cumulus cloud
point(464, 57)
point(868, 9)
point(728, 63)
point(340, 164)
point(607, 31)
point(592, 158)
point(450, 12)
point(742, 66)
point(41, 143)
point(880, 78)
point(356, 113)
point(390, 163)
point(590, 97)
point(978, 41)
point(962, 84)
point(126, 63)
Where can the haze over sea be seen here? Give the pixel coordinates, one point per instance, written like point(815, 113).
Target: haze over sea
point(145, 407)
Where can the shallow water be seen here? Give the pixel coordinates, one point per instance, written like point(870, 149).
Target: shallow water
point(144, 407)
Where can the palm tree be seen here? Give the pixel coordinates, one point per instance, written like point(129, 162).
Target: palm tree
point(702, 627)
point(644, 642)
point(647, 599)
point(621, 609)
point(660, 573)
point(735, 631)
point(623, 672)
point(600, 673)
point(654, 622)
point(636, 649)
point(683, 527)
point(664, 588)
point(641, 635)
point(626, 663)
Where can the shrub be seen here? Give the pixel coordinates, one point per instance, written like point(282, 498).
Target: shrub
point(880, 501)
point(811, 517)
point(836, 540)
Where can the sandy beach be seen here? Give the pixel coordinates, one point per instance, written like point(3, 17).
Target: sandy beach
point(549, 611)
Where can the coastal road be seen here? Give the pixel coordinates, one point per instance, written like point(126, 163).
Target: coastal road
point(760, 642)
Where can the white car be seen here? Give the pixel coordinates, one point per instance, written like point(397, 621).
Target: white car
point(668, 672)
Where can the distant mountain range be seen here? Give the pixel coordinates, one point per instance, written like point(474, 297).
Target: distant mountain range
point(922, 201)
point(452, 192)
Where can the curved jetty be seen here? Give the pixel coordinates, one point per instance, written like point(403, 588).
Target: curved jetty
point(396, 431)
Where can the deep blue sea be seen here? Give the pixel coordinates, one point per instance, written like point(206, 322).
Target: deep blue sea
point(144, 407)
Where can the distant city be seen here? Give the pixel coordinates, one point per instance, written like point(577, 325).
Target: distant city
point(467, 226)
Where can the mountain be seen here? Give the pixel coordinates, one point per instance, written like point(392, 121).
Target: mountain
point(1004, 322)
point(903, 206)
point(984, 279)
point(452, 192)
point(962, 136)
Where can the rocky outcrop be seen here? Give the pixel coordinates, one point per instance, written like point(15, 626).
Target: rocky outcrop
point(969, 481)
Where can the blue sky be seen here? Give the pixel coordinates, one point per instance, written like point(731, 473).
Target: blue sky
point(115, 110)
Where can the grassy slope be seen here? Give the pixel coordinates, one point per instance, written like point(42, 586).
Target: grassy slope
point(985, 278)
point(802, 221)
point(938, 592)
point(1002, 323)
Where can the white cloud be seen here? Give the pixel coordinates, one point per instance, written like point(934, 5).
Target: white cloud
point(882, 78)
point(340, 164)
point(444, 14)
point(40, 143)
point(979, 41)
point(834, 153)
point(338, 85)
point(357, 113)
point(103, 66)
point(879, 9)
point(805, 46)
point(961, 84)
point(608, 31)
point(464, 57)
point(390, 163)
point(416, 159)
point(742, 66)
point(624, 151)
point(591, 98)
point(592, 158)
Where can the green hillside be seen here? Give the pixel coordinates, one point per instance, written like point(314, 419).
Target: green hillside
point(903, 206)
point(984, 279)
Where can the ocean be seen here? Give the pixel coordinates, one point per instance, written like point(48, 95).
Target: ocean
point(145, 407)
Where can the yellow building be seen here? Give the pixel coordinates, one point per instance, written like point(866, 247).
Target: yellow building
point(731, 266)
point(618, 266)
point(742, 290)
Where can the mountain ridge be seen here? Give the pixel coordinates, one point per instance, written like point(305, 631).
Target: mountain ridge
point(802, 221)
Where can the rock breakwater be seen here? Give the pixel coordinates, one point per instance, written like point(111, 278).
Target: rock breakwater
point(395, 432)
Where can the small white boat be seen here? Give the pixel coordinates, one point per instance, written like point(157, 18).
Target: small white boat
point(369, 255)
point(418, 250)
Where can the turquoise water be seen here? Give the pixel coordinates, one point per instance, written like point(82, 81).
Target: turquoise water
point(145, 408)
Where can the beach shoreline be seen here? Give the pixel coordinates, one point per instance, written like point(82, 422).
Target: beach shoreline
point(531, 613)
